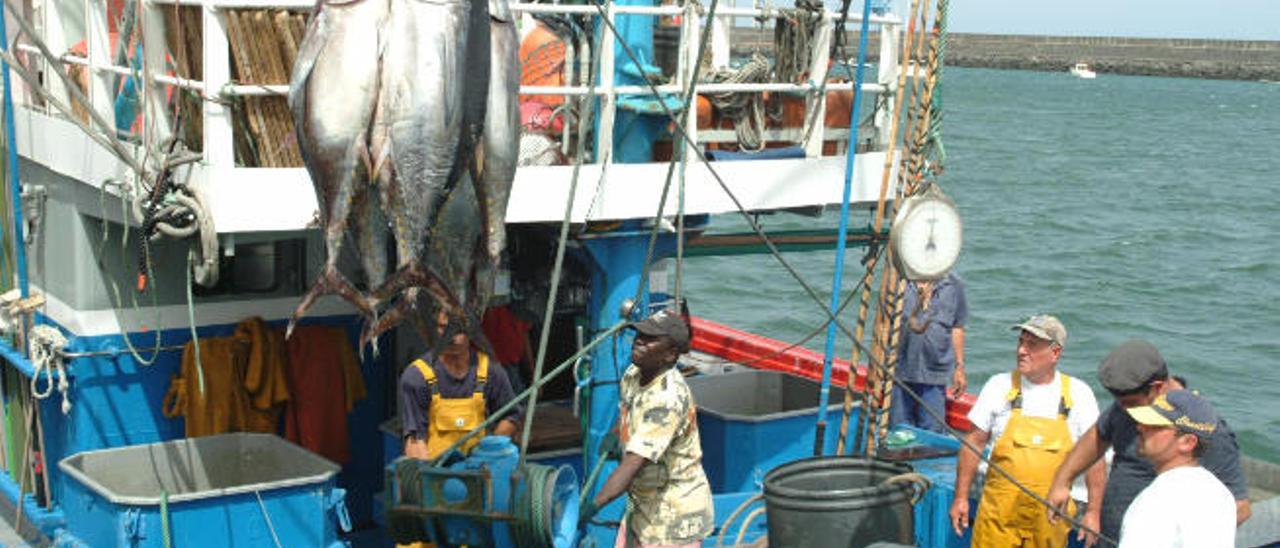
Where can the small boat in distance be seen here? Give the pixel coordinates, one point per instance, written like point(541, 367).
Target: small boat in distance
point(1082, 70)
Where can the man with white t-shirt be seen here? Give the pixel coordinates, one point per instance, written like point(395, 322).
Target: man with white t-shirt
point(1033, 417)
point(1186, 505)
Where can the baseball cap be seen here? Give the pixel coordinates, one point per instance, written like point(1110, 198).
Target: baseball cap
point(665, 323)
point(1045, 327)
point(1131, 366)
point(1181, 409)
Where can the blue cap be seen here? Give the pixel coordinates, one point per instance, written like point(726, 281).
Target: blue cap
point(1181, 409)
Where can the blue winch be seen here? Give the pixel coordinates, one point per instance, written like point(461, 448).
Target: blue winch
point(485, 499)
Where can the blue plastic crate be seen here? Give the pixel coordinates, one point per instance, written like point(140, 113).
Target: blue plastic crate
point(752, 421)
point(227, 490)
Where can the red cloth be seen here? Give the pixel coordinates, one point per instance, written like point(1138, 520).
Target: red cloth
point(325, 378)
point(506, 332)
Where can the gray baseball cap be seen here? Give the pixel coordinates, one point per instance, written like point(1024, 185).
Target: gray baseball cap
point(1045, 327)
point(1131, 366)
point(665, 323)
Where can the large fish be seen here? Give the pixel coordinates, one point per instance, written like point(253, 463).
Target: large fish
point(500, 144)
point(428, 121)
point(342, 44)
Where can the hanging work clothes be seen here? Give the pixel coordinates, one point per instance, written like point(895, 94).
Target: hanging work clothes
point(324, 375)
point(266, 382)
point(244, 382)
point(220, 407)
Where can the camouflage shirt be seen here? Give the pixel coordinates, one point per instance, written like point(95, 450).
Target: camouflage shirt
point(669, 500)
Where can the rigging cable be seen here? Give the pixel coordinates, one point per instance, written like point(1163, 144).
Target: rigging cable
point(689, 95)
point(916, 180)
point(553, 292)
point(878, 225)
point(837, 281)
point(777, 255)
point(751, 221)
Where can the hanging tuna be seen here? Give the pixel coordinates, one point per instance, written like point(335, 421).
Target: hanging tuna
point(404, 109)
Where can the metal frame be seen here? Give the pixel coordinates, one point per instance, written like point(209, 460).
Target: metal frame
point(289, 200)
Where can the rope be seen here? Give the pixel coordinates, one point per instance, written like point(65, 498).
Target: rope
point(746, 522)
point(46, 341)
point(865, 302)
point(266, 516)
point(733, 516)
point(701, 155)
point(746, 109)
point(688, 103)
point(918, 482)
point(191, 320)
point(554, 291)
point(793, 40)
point(531, 527)
point(165, 536)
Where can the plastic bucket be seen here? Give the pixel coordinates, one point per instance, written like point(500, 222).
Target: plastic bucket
point(838, 501)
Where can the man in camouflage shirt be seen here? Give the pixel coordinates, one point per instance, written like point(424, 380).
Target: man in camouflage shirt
point(669, 499)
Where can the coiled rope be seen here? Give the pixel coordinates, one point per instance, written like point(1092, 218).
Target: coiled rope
point(46, 341)
point(746, 109)
point(532, 526)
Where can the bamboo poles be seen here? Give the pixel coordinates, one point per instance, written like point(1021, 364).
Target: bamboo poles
point(264, 45)
point(865, 300)
point(914, 180)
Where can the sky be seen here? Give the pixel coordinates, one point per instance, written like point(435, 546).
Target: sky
point(1225, 19)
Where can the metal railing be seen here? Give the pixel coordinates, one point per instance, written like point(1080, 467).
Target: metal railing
point(217, 86)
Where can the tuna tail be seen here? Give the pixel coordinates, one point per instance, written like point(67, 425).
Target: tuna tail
point(330, 282)
point(406, 284)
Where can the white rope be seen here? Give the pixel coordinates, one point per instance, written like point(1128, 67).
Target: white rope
point(46, 341)
point(745, 108)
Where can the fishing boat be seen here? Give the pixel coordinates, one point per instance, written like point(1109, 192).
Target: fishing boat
point(1082, 71)
point(148, 228)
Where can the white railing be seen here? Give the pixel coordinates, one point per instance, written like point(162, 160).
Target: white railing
point(217, 69)
point(62, 27)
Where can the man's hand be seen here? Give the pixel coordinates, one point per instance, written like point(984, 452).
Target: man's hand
point(1092, 520)
point(587, 512)
point(611, 447)
point(1059, 497)
point(960, 515)
point(958, 381)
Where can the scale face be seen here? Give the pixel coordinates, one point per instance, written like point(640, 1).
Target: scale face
point(926, 235)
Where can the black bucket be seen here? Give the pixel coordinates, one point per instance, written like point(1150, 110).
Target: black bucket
point(838, 501)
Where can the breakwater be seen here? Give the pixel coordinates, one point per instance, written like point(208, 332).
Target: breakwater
point(1190, 58)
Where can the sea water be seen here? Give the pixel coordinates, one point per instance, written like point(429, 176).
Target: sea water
point(1130, 207)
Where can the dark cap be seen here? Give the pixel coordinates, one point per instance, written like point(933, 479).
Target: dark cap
point(1131, 366)
point(665, 323)
point(1181, 409)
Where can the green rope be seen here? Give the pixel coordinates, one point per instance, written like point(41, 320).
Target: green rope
point(532, 527)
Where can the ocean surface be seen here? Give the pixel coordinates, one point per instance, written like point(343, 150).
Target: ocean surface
point(1130, 207)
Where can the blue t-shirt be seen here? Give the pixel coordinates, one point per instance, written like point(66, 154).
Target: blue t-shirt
point(415, 396)
point(1130, 473)
point(926, 355)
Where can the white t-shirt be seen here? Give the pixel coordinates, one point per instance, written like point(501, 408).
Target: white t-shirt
point(992, 411)
point(1186, 506)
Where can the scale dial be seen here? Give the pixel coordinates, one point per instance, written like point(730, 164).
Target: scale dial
point(926, 235)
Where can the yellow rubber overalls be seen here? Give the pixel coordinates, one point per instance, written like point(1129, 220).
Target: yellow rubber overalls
point(448, 419)
point(1030, 449)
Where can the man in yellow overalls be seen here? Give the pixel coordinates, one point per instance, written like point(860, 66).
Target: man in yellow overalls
point(445, 396)
point(442, 399)
point(1034, 415)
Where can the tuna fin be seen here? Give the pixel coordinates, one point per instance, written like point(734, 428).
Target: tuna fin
point(330, 282)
